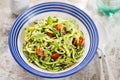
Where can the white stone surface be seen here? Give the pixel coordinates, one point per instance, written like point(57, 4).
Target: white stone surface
point(10, 70)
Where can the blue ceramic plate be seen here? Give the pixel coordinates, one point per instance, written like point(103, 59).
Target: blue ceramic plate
point(16, 36)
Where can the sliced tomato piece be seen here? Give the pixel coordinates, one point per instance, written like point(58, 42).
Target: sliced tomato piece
point(58, 27)
point(81, 40)
point(55, 56)
point(50, 34)
point(39, 52)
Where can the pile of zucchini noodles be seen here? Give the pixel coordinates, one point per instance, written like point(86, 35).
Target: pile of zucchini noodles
point(58, 48)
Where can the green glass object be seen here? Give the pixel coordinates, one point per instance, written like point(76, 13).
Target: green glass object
point(108, 7)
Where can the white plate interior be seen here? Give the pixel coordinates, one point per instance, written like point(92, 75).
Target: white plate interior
point(52, 14)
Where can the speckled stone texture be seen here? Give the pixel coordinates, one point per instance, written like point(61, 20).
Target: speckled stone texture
point(10, 70)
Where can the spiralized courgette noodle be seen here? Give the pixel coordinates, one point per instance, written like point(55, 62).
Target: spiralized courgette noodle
point(53, 44)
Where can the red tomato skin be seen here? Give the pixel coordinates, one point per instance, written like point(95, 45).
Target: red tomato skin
point(81, 40)
point(50, 34)
point(55, 56)
point(58, 27)
point(39, 52)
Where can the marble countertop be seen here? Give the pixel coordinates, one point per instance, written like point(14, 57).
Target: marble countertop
point(9, 69)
